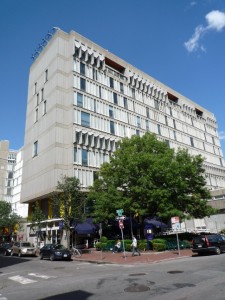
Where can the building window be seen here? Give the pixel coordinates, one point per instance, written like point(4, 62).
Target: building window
point(121, 88)
point(75, 153)
point(111, 111)
point(95, 74)
point(156, 104)
point(171, 112)
point(137, 132)
point(213, 140)
point(45, 107)
point(79, 100)
point(36, 115)
point(46, 75)
point(115, 100)
point(147, 112)
point(111, 82)
point(35, 149)
point(82, 69)
point(192, 141)
point(167, 142)
point(147, 125)
point(85, 119)
point(159, 129)
point(133, 93)
point(174, 135)
point(84, 157)
point(174, 124)
point(37, 99)
point(100, 92)
point(166, 120)
point(42, 94)
point(125, 102)
point(112, 127)
point(95, 105)
point(138, 122)
point(82, 84)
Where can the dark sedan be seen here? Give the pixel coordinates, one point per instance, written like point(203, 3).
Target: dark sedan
point(5, 249)
point(55, 252)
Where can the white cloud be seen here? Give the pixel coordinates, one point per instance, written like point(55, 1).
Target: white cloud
point(222, 135)
point(193, 3)
point(215, 21)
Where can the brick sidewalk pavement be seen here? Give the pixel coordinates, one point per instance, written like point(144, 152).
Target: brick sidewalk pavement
point(146, 257)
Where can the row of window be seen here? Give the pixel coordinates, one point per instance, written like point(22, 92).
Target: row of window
point(119, 86)
point(109, 126)
point(114, 112)
point(126, 103)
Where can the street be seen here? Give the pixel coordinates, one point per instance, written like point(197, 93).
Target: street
point(195, 278)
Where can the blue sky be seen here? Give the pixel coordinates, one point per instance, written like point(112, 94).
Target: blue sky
point(179, 42)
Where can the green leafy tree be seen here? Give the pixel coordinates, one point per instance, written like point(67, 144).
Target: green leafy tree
point(37, 219)
point(146, 177)
point(8, 219)
point(68, 203)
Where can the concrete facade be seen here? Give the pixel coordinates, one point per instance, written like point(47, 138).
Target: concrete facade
point(83, 99)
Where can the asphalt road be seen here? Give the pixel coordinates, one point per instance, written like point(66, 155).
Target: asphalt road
point(187, 278)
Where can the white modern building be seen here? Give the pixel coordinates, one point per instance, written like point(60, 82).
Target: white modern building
point(82, 100)
point(11, 166)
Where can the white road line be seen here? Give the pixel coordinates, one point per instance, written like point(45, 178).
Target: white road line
point(5, 274)
point(41, 276)
point(3, 298)
point(22, 280)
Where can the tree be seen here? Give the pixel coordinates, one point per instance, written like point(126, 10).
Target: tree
point(37, 220)
point(8, 219)
point(68, 202)
point(146, 177)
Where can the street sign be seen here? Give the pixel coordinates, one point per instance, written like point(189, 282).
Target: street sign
point(120, 218)
point(121, 226)
point(119, 212)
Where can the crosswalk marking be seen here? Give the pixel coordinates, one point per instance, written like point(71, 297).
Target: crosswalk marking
point(41, 276)
point(22, 280)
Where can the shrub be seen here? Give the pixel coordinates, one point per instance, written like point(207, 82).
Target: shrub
point(159, 247)
point(103, 239)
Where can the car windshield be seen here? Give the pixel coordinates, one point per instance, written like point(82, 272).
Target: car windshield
point(25, 244)
point(59, 247)
point(6, 245)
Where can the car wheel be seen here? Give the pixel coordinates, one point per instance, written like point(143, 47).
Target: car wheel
point(41, 256)
point(52, 257)
point(217, 251)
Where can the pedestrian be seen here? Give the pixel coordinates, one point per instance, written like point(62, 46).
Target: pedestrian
point(117, 247)
point(134, 246)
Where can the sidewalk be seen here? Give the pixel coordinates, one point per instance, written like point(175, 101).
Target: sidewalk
point(146, 257)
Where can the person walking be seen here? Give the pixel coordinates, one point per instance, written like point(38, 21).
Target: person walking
point(134, 246)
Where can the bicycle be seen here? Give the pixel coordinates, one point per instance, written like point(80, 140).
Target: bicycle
point(76, 252)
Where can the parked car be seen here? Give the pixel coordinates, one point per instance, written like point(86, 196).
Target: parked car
point(213, 243)
point(23, 248)
point(5, 249)
point(55, 252)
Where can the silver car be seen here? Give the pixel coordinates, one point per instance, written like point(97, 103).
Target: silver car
point(23, 248)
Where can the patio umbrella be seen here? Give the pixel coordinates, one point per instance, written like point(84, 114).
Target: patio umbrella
point(155, 223)
point(85, 228)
